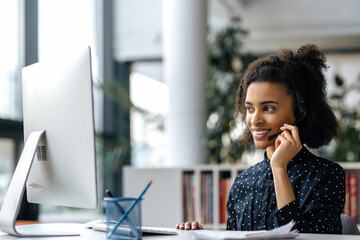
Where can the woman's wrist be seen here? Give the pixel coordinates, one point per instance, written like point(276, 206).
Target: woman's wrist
point(278, 166)
point(279, 171)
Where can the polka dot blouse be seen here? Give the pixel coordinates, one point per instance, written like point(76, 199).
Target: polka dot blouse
point(319, 188)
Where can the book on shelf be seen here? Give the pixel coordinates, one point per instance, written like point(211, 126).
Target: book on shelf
point(225, 185)
point(353, 196)
point(347, 195)
point(189, 196)
point(206, 198)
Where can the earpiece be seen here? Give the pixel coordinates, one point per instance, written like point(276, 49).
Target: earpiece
point(301, 111)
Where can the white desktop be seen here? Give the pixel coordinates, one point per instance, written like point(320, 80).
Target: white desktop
point(58, 164)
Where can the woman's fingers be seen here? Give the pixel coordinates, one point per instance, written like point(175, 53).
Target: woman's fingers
point(288, 136)
point(189, 226)
point(196, 225)
point(180, 226)
point(293, 130)
point(287, 145)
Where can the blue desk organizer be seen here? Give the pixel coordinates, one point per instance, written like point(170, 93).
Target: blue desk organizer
point(120, 226)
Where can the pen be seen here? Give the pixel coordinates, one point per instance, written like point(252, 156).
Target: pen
point(108, 192)
point(255, 233)
point(129, 209)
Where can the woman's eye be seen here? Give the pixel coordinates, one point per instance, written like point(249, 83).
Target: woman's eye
point(249, 109)
point(268, 108)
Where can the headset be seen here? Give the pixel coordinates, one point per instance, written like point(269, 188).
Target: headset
point(301, 110)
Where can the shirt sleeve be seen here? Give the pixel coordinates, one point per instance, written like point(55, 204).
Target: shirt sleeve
point(231, 223)
point(321, 213)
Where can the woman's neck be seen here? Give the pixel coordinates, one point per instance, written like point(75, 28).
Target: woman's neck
point(270, 150)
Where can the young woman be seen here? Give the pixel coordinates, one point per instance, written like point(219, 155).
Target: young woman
point(282, 99)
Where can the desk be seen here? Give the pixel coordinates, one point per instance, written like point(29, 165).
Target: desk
point(89, 234)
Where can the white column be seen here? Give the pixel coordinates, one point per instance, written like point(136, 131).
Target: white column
point(185, 67)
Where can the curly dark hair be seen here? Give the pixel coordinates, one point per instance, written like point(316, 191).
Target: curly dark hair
point(301, 72)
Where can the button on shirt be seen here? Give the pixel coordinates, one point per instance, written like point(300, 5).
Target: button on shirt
point(319, 188)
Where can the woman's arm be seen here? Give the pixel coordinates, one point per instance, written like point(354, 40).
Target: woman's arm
point(287, 145)
point(283, 189)
point(231, 223)
point(321, 212)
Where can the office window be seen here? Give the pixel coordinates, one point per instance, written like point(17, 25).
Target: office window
point(65, 24)
point(10, 90)
point(7, 163)
point(10, 98)
point(346, 66)
point(149, 95)
point(343, 78)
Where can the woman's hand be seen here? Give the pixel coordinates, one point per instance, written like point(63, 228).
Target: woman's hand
point(189, 226)
point(287, 145)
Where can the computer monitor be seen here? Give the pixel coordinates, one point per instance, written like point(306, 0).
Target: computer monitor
point(58, 163)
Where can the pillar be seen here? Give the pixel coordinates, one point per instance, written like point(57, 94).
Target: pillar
point(185, 67)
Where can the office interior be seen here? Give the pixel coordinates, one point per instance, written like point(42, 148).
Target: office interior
point(150, 62)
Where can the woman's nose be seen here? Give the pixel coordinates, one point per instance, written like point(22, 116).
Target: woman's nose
point(256, 118)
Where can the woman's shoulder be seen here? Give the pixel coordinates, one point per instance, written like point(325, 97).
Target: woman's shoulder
point(309, 159)
point(319, 171)
point(258, 168)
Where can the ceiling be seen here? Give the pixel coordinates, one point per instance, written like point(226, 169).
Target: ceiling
point(272, 24)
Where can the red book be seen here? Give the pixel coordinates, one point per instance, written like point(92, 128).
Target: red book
point(223, 199)
point(347, 195)
point(225, 186)
point(353, 196)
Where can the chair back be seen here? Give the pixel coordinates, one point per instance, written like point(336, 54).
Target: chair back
point(349, 226)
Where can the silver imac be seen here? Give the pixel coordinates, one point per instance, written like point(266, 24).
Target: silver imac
point(58, 162)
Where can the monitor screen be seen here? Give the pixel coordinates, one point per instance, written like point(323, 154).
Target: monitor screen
point(57, 98)
point(58, 162)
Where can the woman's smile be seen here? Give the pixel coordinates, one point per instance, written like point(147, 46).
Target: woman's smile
point(260, 133)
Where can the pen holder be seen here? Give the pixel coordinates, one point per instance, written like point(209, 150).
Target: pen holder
point(123, 217)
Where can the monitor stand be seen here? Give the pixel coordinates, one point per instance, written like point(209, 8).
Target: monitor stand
point(12, 201)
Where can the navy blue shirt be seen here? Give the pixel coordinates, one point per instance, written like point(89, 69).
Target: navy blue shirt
point(319, 188)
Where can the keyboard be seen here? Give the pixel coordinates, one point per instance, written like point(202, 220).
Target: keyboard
point(100, 225)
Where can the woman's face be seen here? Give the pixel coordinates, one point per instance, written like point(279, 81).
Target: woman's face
point(268, 107)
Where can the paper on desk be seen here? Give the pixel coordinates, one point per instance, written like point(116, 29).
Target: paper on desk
point(283, 232)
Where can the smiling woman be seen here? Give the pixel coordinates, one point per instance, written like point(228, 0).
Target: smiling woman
point(282, 99)
point(284, 95)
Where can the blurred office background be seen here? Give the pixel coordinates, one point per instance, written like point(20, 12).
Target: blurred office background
point(165, 72)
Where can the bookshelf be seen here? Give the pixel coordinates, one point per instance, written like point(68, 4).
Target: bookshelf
point(352, 202)
point(194, 193)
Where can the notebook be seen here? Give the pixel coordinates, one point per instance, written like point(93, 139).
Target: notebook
point(100, 225)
